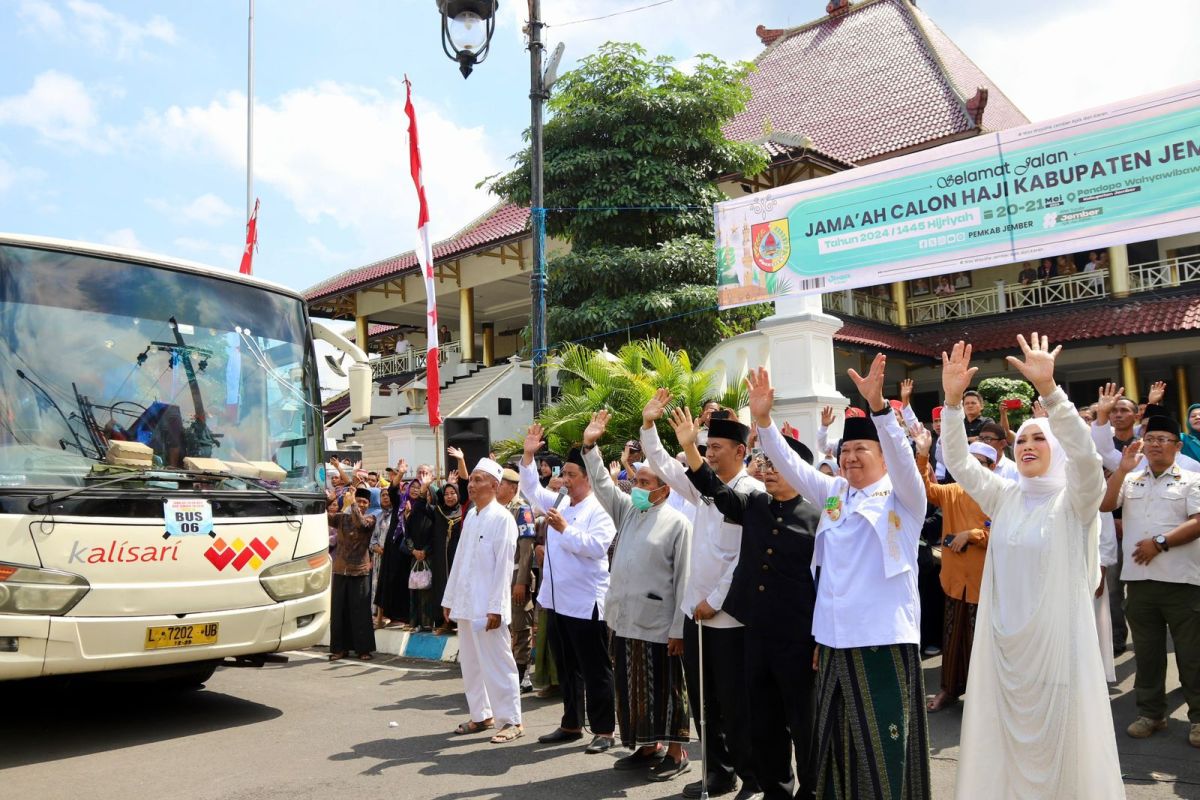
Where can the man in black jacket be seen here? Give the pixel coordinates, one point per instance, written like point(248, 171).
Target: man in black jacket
point(773, 594)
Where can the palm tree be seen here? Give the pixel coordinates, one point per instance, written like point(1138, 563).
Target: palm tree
point(622, 383)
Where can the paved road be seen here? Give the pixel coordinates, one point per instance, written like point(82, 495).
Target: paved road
point(311, 729)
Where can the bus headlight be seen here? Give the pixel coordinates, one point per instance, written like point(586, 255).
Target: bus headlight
point(300, 578)
point(30, 590)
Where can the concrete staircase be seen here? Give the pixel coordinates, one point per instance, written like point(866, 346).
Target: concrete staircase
point(374, 442)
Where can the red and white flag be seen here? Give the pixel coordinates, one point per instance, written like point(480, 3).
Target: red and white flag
point(251, 241)
point(425, 259)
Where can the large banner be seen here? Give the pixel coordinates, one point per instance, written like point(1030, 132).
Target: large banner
point(1122, 173)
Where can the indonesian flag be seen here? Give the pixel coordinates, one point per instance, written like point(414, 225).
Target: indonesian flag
point(251, 240)
point(425, 259)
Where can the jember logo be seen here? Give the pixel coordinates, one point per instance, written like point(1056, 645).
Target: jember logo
point(239, 554)
point(772, 244)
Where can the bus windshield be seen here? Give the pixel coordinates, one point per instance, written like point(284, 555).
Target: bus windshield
point(95, 350)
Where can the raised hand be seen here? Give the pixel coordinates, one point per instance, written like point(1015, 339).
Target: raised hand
point(906, 387)
point(686, 429)
point(452, 478)
point(533, 442)
point(655, 407)
point(1038, 366)
point(1131, 456)
point(614, 470)
point(1110, 393)
point(922, 437)
point(871, 386)
point(1158, 390)
point(454, 452)
point(1039, 410)
point(596, 428)
point(402, 467)
point(827, 416)
point(957, 372)
point(762, 396)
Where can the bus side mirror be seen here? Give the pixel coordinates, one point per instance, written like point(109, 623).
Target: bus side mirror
point(360, 392)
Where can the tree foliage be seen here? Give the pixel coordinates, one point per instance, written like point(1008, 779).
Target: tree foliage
point(622, 383)
point(632, 152)
point(996, 390)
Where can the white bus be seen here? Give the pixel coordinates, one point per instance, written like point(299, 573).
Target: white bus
point(162, 505)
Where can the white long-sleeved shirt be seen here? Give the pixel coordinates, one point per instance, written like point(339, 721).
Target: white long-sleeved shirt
point(575, 571)
point(480, 580)
point(866, 543)
point(716, 544)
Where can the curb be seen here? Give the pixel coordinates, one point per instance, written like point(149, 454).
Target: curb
point(425, 646)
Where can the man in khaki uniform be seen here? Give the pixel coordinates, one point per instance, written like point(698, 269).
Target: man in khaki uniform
point(1161, 571)
point(522, 583)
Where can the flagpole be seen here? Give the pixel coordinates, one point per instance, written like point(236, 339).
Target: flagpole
point(250, 115)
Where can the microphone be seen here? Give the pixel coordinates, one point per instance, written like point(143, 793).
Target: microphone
point(562, 495)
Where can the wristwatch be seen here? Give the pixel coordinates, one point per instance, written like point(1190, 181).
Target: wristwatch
point(1161, 541)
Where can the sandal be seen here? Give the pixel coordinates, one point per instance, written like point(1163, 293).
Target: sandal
point(934, 706)
point(365, 657)
point(507, 734)
point(337, 656)
point(471, 726)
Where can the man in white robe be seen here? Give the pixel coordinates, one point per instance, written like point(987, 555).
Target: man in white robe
point(478, 598)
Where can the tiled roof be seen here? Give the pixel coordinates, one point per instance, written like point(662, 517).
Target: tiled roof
point(876, 79)
point(860, 334)
point(1064, 324)
point(500, 223)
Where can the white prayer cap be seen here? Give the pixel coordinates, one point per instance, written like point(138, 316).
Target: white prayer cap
point(637, 465)
point(489, 467)
point(983, 449)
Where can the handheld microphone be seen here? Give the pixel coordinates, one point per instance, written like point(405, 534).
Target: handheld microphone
point(562, 495)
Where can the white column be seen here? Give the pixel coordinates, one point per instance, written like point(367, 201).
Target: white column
point(800, 334)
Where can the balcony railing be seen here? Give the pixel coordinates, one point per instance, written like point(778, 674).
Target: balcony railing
point(411, 360)
point(857, 304)
point(1004, 297)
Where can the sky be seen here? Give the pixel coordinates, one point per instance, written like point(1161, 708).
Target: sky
point(124, 121)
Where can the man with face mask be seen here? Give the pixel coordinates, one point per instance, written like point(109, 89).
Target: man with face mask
point(649, 569)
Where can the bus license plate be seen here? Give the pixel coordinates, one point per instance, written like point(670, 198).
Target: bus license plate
point(181, 635)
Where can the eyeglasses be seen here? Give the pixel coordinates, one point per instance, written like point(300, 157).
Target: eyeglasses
point(1158, 440)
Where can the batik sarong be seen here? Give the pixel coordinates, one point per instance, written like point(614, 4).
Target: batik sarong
point(872, 732)
point(651, 693)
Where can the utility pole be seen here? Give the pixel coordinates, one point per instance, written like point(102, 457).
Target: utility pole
point(537, 211)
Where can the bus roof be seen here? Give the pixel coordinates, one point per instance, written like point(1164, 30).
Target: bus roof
point(150, 259)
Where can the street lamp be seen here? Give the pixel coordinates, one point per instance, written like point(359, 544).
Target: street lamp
point(473, 11)
point(467, 28)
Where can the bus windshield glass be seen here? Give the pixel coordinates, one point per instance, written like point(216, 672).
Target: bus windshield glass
point(95, 350)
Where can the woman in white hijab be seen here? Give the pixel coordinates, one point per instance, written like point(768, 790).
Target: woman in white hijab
point(1037, 722)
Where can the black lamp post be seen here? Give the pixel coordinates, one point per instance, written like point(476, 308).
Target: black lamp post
point(467, 28)
point(461, 18)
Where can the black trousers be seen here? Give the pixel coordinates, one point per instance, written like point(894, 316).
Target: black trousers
point(726, 701)
point(585, 671)
point(779, 676)
point(350, 624)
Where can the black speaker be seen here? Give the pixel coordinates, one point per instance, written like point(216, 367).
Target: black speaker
point(469, 434)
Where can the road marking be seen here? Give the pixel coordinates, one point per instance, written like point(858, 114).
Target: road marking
point(367, 664)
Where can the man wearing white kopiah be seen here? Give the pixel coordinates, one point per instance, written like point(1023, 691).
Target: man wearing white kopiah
point(872, 735)
point(1037, 722)
point(477, 597)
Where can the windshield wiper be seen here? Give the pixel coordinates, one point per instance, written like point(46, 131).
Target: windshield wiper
point(38, 503)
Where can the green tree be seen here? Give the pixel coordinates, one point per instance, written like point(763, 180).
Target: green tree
point(997, 390)
point(632, 153)
point(622, 383)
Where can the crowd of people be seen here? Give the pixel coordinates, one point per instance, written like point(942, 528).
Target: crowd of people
point(775, 597)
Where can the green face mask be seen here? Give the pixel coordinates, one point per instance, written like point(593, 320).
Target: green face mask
point(641, 499)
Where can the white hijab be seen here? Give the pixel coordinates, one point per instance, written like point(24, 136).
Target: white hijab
point(1054, 479)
